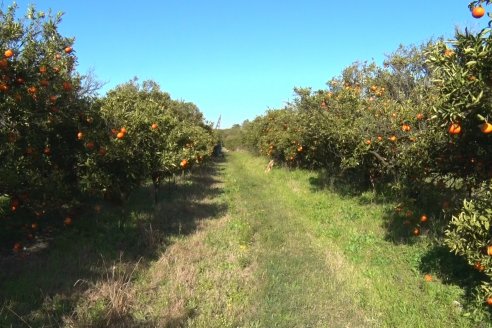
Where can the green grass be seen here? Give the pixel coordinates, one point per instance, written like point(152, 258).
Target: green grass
point(238, 247)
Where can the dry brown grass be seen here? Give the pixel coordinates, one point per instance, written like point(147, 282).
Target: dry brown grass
point(112, 297)
point(187, 284)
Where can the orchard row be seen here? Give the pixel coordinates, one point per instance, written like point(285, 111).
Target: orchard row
point(422, 121)
point(61, 143)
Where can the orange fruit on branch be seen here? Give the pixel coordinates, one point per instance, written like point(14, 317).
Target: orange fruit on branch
point(17, 247)
point(68, 50)
point(90, 145)
point(423, 218)
point(4, 64)
point(454, 128)
point(8, 53)
point(67, 86)
point(479, 266)
point(68, 221)
point(154, 126)
point(120, 135)
point(486, 128)
point(448, 53)
point(489, 250)
point(478, 12)
point(183, 163)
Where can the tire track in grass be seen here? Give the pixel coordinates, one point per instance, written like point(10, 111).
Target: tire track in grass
point(297, 284)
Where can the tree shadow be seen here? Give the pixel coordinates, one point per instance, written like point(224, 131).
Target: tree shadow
point(350, 183)
point(37, 285)
point(454, 270)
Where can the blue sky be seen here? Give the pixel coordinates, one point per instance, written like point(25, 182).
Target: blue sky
point(238, 58)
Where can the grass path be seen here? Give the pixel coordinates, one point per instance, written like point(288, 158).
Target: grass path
point(288, 255)
point(234, 246)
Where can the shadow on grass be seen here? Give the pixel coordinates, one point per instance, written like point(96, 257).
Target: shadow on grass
point(351, 183)
point(402, 221)
point(37, 288)
point(454, 270)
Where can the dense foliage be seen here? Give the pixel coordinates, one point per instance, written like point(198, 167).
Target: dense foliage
point(421, 122)
point(61, 143)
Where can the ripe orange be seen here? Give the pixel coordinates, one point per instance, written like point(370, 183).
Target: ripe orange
point(420, 116)
point(90, 145)
point(183, 163)
point(478, 12)
point(454, 128)
point(380, 138)
point(405, 127)
point(299, 149)
point(489, 250)
point(392, 138)
point(486, 128)
point(67, 86)
point(42, 69)
point(68, 50)
point(120, 135)
point(34, 226)
point(367, 142)
point(4, 63)
point(17, 247)
point(423, 218)
point(80, 135)
point(8, 53)
point(154, 126)
point(57, 56)
point(67, 221)
point(416, 231)
point(4, 87)
point(479, 266)
point(448, 53)
point(489, 301)
point(123, 130)
point(428, 277)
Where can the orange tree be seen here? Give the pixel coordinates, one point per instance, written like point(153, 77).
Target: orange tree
point(39, 101)
point(143, 134)
point(370, 121)
point(464, 82)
